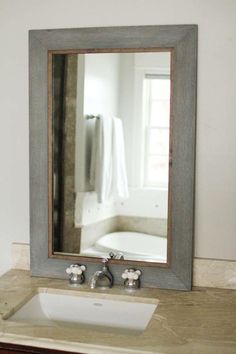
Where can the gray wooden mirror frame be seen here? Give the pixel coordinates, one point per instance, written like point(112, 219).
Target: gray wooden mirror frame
point(182, 39)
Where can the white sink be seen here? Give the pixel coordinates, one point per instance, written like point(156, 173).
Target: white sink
point(60, 309)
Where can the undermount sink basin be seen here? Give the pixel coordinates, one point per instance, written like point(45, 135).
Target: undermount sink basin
point(63, 309)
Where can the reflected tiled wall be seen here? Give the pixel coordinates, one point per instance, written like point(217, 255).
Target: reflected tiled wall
point(71, 235)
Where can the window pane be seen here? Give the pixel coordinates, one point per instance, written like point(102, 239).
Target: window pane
point(157, 171)
point(160, 113)
point(159, 141)
point(160, 89)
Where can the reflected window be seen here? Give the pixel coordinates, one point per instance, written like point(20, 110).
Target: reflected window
point(156, 99)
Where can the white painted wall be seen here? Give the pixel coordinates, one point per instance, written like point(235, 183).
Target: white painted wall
point(215, 226)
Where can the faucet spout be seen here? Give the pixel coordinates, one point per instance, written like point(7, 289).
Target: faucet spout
point(102, 278)
point(94, 279)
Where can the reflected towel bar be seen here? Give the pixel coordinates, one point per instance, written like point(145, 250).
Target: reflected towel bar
point(91, 116)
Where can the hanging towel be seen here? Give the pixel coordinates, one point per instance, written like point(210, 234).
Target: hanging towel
point(101, 160)
point(119, 174)
point(107, 169)
point(94, 144)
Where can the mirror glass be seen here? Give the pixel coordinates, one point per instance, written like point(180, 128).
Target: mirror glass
point(110, 130)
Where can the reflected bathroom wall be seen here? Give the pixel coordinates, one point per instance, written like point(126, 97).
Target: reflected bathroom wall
point(135, 88)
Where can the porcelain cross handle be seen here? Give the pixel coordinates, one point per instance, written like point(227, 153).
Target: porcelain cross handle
point(131, 274)
point(75, 269)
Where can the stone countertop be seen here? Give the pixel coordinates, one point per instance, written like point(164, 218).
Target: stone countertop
point(200, 321)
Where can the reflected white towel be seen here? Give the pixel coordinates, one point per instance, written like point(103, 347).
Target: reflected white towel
point(101, 160)
point(119, 178)
point(93, 155)
point(107, 169)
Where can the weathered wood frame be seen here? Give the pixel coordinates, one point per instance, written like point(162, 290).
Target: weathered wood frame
point(182, 40)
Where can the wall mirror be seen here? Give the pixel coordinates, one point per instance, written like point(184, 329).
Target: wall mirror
point(110, 120)
point(112, 128)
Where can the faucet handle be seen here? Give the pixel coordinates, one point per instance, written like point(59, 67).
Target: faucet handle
point(75, 269)
point(131, 277)
point(131, 274)
point(75, 272)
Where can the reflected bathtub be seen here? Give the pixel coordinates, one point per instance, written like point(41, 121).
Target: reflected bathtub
point(133, 245)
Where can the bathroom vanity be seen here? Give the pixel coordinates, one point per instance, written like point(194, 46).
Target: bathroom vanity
point(201, 321)
point(23, 349)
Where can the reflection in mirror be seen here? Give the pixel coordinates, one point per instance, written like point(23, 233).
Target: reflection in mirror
point(110, 120)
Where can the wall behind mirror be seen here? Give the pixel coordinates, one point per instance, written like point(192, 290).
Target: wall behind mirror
point(111, 153)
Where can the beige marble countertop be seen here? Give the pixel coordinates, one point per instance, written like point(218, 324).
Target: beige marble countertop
point(197, 322)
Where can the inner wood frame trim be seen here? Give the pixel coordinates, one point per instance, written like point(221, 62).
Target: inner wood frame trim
point(182, 39)
point(76, 257)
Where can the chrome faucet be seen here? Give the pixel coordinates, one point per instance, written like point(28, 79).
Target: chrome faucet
point(103, 278)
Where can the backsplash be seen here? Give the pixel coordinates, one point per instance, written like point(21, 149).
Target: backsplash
point(20, 256)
